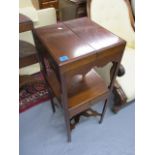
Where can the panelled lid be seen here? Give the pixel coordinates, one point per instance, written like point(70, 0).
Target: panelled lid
point(75, 39)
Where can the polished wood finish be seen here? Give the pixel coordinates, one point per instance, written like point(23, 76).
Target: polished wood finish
point(74, 81)
point(25, 23)
point(27, 54)
point(81, 87)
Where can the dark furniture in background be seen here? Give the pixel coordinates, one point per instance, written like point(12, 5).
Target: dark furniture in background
point(72, 49)
point(65, 8)
point(27, 52)
point(81, 9)
point(48, 3)
point(25, 24)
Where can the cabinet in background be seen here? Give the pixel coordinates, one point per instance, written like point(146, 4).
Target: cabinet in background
point(48, 3)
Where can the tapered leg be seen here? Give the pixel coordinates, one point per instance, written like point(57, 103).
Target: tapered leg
point(42, 58)
point(64, 100)
point(67, 121)
point(44, 72)
point(103, 111)
point(53, 106)
point(51, 99)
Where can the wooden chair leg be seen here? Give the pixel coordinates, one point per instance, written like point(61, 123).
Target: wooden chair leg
point(103, 111)
point(120, 98)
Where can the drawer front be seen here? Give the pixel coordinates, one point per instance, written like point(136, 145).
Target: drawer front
point(50, 4)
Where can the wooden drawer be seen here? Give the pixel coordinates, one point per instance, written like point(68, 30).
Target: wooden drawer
point(49, 4)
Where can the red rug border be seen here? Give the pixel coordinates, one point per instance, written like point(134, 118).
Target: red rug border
point(34, 104)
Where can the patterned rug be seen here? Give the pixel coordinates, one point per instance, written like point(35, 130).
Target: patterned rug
point(33, 94)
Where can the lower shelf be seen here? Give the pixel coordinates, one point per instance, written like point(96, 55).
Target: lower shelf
point(83, 91)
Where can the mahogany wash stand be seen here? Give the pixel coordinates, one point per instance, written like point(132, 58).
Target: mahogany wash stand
point(72, 49)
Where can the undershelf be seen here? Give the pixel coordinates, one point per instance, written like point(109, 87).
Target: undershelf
point(83, 91)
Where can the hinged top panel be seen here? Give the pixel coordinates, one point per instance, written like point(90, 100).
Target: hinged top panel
point(75, 40)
